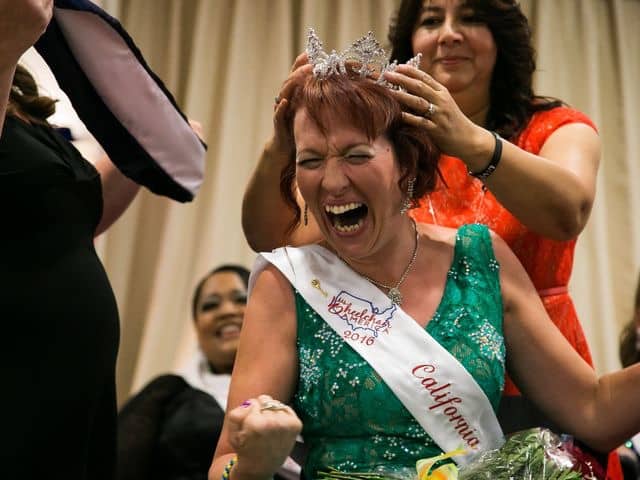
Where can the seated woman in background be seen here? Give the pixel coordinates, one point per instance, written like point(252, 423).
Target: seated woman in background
point(390, 340)
point(169, 429)
point(629, 355)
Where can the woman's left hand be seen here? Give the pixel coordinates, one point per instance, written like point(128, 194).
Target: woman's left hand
point(196, 126)
point(429, 104)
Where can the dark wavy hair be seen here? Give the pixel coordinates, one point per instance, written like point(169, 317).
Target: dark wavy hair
point(25, 100)
point(239, 270)
point(512, 99)
point(629, 342)
point(372, 109)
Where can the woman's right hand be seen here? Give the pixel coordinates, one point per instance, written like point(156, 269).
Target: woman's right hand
point(452, 131)
point(300, 71)
point(22, 22)
point(262, 432)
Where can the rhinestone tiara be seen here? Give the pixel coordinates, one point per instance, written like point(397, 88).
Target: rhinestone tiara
point(365, 57)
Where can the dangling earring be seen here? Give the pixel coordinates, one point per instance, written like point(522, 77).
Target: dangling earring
point(407, 202)
point(306, 215)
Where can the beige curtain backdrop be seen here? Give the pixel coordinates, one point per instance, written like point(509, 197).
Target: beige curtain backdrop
point(225, 60)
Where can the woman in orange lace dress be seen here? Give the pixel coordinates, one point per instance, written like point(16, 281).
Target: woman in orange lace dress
point(537, 192)
point(465, 199)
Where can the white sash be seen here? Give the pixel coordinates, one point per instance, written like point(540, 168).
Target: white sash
point(433, 386)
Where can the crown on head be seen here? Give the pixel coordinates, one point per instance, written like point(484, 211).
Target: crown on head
point(365, 56)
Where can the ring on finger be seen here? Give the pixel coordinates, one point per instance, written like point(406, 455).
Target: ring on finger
point(273, 405)
point(431, 109)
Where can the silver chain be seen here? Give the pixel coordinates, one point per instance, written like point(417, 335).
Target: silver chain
point(394, 291)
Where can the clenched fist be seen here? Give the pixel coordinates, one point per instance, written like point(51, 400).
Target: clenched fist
point(262, 432)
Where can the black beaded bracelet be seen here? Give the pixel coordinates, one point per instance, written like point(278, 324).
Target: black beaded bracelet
point(493, 164)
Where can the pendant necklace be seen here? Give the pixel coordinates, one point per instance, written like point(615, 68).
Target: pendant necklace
point(393, 291)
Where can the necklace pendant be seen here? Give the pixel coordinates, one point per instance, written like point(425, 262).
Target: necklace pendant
point(395, 296)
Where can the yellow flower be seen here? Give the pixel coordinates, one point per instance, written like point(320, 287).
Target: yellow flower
point(444, 472)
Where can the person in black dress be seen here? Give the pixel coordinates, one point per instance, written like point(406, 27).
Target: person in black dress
point(59, 314)
point(169, 430)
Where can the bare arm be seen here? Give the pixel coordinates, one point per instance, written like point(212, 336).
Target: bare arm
point(603, 411)
point(551, 193)
point(266, 363)
point(560, 182)
point(21, 24)
point(265, 215)
point(117, 193)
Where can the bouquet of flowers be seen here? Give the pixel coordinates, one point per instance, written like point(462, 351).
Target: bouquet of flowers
point(533, 454)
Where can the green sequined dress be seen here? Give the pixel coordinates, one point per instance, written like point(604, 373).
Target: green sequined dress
point(352, 420)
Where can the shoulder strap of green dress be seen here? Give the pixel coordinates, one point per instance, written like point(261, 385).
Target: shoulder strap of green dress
point(474, 256)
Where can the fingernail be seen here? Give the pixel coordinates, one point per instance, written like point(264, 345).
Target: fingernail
point(245, 404)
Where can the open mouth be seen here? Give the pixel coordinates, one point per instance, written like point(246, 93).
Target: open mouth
point(230, 330)
point(347, 218)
